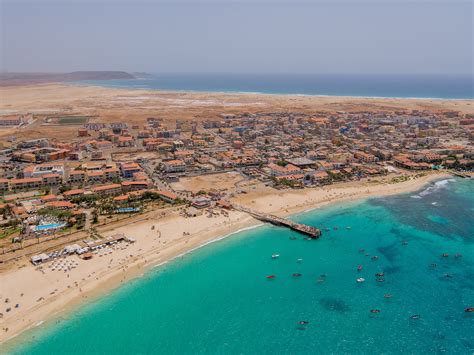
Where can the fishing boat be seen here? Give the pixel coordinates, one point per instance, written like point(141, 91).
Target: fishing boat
point(296, 274)
point(359, 268)
point(388, 295)
point(275, 256)
point(360, 280)
point(415, 316)
point(375, 311)
point(270, 277)
point(469, 310)
point(379, 274)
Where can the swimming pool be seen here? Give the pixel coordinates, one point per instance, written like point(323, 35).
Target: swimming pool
point(45, 227)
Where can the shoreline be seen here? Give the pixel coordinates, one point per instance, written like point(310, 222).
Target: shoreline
point(208, 230)
point(257, 93)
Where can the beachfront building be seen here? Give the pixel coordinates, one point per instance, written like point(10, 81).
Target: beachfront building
point(167, 196)
point(278, 170)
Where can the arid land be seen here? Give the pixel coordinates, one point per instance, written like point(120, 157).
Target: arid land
point(134, 106)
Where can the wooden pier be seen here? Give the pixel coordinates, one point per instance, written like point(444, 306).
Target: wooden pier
point(310, 231)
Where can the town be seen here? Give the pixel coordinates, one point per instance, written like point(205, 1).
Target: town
point(112, 171)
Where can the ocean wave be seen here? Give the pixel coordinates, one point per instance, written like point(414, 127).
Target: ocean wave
point(433, 188)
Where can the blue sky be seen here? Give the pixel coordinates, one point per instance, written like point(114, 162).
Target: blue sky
point(281, 36)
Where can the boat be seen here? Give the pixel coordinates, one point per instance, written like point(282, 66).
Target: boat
point(348, 227)
point(271, 277)
point(296, 274)
point(359, 268)
point(415, 316)
point(387, 295)
point(375, 257)
point(299, 260)
point(381, 279)
point(375, 311)
point(303, 322)
point(445, 255)
point(360, 280)
point(469, 310)
point(275, 256)
point(379, 274)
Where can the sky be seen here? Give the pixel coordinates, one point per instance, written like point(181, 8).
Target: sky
point(238, 36)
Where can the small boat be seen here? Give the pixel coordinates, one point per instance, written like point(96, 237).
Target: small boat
point(359, 268)
point(387, 295)
point(469, 310)
point(361, 250)
point(404, 243)
point(271, 277)
point(379, 274)
point(320, 279)
point(348, 227)
point(275, 256)
point(360, 280)
point(457, 256)
point(375, 257)
point(303, 322)
point(433, 265)
point(445, 255)
point(299, 260)
point(415, 316)
point(296, 274)
point(335, 228)
point(381, 279)
point(375, 311)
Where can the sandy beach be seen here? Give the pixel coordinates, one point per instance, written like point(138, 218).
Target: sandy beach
point(43, 294)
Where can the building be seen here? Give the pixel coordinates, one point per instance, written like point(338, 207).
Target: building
point(76, 177)
point(25, 183)
point(112, 189)
point(128, 169)
point(167, 196)
point(174, 166)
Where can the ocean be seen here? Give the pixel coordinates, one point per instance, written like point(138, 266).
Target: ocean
point(217, 299)
point(402, 86)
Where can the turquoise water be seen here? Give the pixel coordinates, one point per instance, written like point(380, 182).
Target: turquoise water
point(405, 86)
point(218, 300)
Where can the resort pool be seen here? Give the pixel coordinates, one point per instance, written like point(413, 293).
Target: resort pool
point(45, 227)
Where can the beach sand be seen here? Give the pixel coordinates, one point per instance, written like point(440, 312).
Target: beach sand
point(44, 294)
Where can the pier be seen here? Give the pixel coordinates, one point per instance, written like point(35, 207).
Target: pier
point(464, 175)
point(312, 232)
